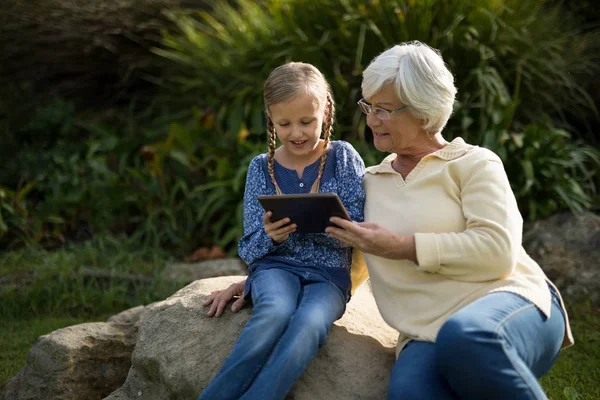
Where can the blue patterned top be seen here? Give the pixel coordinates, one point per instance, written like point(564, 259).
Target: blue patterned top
point(314, 252)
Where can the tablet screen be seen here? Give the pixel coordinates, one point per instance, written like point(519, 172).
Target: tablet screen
point(310, 212)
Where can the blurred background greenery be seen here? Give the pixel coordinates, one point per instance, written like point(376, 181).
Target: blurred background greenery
point(139, 118)
point(126, 126)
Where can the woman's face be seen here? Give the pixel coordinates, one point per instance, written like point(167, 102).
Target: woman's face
point(399, 134)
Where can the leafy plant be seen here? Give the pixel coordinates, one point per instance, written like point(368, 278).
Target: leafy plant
point(230, 51)
point(516, 63)
point(549, 170)
point(19, 223)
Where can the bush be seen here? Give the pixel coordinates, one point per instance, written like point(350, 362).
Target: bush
point(492, 47)
point(549, 170)
point(175, 179)
point(170, 180)
point(517, 63)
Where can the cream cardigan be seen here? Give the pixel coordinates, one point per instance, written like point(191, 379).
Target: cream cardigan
point(458, 204)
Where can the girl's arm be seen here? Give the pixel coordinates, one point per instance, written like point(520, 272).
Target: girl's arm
point(349, 173)
point(219, 299)
point(255, 243)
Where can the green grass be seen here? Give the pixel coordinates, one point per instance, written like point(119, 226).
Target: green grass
point(576, 374)
point(36, 282)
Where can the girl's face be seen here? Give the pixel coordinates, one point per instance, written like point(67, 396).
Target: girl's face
point(298, 123)
point(398, 134)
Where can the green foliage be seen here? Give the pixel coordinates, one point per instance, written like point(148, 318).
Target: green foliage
point(171, 180)
point(175, 179)
point(199, 174)
point(549, 170)
point(516, 64)
point(17, 225)
point(492, 47)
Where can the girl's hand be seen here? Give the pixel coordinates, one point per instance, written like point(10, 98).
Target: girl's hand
point(374, 239)
point(278, 231)
point(219, 299)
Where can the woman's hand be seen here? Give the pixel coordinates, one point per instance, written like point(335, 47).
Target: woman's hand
point(374, 239)
point(219, 299)
point(278, 231)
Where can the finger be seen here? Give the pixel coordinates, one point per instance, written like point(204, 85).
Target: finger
point(343, 223)
point(343, 235)
point(337, 233)
point(238, 304)
point(278, 224)
point(334, 230)
point(368, 225)
point(286, 230)
point(220, 307)
point(210, 298)
point(267, 218)
point(281, 238)
point(213, 309)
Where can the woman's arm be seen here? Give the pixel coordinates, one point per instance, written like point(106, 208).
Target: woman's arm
point(374, 239)
point(486, 250)
point(489, 246)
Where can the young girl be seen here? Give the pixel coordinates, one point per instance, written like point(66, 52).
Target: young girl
point(299, 283)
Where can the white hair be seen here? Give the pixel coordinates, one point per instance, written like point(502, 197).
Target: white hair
point(421, 79)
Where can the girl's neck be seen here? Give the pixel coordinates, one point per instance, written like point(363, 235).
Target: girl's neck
point(293, 161)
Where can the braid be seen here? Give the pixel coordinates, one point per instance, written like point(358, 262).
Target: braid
point(327, 133)
point(271, 158)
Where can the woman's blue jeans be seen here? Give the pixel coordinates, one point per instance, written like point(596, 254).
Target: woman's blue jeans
point(495, 348)
point(291, 318)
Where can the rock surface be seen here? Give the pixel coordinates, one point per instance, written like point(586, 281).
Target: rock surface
point(180, 350)
point(189, 272)
point(567, 247)
point(85, 361)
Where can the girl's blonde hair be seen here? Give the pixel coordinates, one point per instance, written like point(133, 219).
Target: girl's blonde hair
point(285, 82)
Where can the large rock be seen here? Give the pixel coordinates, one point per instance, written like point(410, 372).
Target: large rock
point(567, 247)
point(86, 361)
point(180, 350)
point(189, 272)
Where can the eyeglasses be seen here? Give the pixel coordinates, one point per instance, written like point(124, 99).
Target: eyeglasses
point(381, 113)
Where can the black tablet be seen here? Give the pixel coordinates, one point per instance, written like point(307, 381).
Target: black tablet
point(310, 212)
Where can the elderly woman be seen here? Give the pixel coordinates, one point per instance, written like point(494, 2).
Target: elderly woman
point(477, 317)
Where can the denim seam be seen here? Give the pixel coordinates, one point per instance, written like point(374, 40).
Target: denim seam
point(259, 367)
point(555, 298)
point(503, 342)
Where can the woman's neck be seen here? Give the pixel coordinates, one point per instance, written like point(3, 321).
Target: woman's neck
point(407, 159)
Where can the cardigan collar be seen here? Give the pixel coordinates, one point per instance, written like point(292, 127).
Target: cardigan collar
point(453, 150)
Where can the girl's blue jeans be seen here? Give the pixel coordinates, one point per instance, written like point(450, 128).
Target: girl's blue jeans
point(495, 348)
point(291, 318)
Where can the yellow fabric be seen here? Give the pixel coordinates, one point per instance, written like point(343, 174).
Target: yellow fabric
point(458, 204)
point(358, 270)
